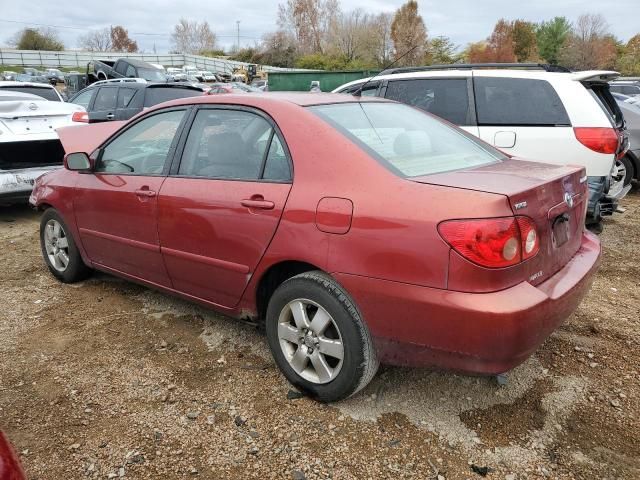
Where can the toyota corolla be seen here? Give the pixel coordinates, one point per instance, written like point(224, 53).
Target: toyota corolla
point(358, 230)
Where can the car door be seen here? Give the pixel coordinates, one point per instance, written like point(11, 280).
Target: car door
point(104, 104)
point(447, 98)
point(522, 116)
point(128, 103)
point(116, 204)
point(221, 204)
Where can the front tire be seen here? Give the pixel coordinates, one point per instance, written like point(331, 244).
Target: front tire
point(59, 250)
point(318, 338)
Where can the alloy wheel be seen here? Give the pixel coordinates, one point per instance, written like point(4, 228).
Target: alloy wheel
point(310, 341)
point(56, 245)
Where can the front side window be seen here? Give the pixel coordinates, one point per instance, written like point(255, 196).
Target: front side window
point(447, 98)
point(229, 144)
point(143, 148)
point(518, 102)
point(368, 90)
point(405, 140)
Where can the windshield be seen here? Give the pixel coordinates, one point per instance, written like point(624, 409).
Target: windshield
point(407, 141)
point(152, 74)
point(43, 92)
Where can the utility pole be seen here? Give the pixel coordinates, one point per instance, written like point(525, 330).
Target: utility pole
point(238, 28)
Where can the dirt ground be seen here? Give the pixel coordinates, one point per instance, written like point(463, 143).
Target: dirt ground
point(106, 379)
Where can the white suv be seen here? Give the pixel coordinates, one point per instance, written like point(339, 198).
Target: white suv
point(548, 114)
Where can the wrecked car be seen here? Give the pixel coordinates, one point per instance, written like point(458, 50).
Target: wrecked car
point(29, 144)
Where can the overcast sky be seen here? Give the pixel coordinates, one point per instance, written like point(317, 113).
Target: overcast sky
point(150, 22)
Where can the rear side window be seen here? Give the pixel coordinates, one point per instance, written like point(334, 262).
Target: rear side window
point(519, 102)
point(155, 95)
point(46, 93)
point(230, 144)
point(124, 96)
point(446, 98)
point(105, 99)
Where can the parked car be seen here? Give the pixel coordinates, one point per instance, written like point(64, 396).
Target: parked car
point(31, 71)
point(625, 98)
point(232, 87)
point(29, 144)
point(10, 468)
point(631, 88)
point(268, 207)
point(176, 74)
point(9, 75)
point(208, 76)
point(544, 114)
point(197, 83)
point(45, 90)
point(260, 84)
point(631, 161)
point(121, 100)
point(54, 75)
point(124, 68)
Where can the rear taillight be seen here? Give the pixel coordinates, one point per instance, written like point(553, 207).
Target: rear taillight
point(598, 139)
point(492, 242)
point(529, 235)
point(80, 117)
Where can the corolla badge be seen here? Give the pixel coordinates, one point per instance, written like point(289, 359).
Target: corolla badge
point(568, 199)
point(33, 106)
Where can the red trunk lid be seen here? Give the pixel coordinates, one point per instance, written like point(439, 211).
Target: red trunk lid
point(553, 196)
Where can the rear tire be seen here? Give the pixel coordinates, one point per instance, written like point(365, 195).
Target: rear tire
point(318, 338)
point(59, 250)
point(627, 175)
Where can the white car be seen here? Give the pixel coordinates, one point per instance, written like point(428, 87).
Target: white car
point(208, 76)
point(29, 144)
point(176, 74)
point(43, 90)
point(529, 111)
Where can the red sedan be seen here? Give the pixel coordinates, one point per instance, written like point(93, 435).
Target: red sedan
point(10, 468)
point(359, 230)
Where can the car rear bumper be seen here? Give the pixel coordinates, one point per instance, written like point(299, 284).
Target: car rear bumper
point(479, 333)
point(16, 185)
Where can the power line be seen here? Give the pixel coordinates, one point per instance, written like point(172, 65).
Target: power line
point(84, 29)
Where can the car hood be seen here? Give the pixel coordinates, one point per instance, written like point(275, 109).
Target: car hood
point(86, 138)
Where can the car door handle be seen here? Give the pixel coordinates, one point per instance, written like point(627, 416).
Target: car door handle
point(110, 116)
point(145, 193)
point(258, 201)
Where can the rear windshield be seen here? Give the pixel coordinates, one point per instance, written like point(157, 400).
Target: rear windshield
point(157, 95)
point(44, 92)
point(405, 140)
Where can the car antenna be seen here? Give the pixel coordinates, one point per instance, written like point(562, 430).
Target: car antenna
point(358, 93)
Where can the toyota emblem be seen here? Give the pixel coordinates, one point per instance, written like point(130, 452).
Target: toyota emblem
point(568, 199)
point(33, 106)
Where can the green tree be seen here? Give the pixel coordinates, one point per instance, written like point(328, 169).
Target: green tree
point(38, 39)
point(440, 51)
point(552, 36)
point(524, 40)
point(629, 61)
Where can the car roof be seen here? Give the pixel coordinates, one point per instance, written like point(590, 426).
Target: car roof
point(488, 72)
point(137, 63)
point(10, 83)
point(301, 99)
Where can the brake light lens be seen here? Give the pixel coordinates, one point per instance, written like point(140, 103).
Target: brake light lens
point(492, 242)
point(529, 236)
point(598, 139)
point(80, 117)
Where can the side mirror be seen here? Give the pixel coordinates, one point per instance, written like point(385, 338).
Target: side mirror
point(78, 162)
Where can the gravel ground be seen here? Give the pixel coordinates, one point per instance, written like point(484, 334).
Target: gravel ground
point(106, 379)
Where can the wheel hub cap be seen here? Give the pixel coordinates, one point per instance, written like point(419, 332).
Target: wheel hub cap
point(310, 341)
